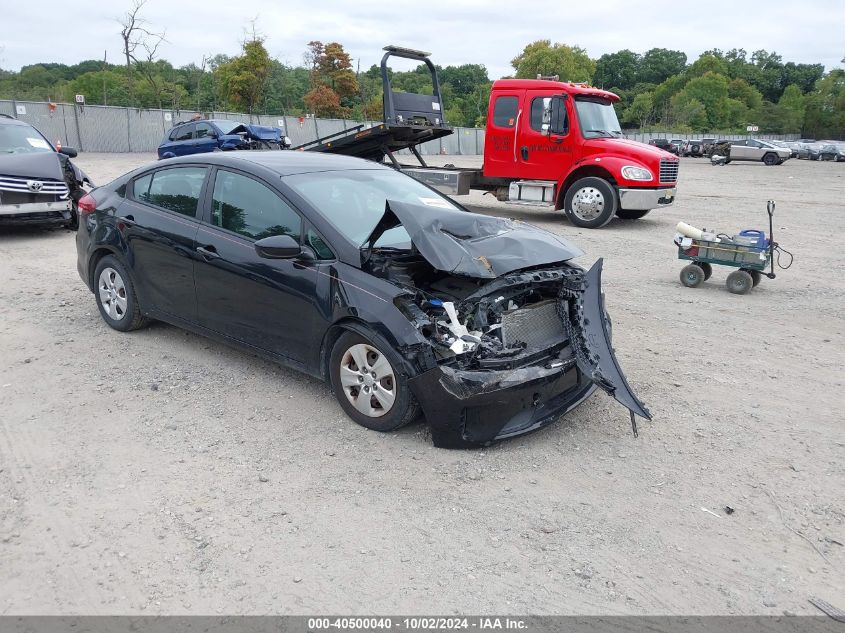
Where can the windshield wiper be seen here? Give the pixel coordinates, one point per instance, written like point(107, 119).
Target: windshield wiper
point(603, 132)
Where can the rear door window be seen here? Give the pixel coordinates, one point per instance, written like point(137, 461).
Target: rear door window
point(176, 189)
point(504, 111)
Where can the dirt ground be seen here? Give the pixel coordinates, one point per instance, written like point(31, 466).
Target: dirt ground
point(160, 472)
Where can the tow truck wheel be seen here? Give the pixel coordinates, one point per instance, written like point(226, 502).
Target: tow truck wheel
point(630, 215)
point(590, 203)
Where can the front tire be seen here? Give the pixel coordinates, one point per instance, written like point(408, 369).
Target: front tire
point(590, 203)
point(369, 382)
point(116, 298)
point(692, 275)
point(770, 160)
point(625, 214)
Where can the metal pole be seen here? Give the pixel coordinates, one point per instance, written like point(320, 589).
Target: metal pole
point(78, 133)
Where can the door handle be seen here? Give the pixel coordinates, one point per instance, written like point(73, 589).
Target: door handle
point(208, 252)
point(524, 151)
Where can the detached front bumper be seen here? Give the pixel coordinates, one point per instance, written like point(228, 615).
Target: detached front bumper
point(475, 408)
point(645, 199)
point(36, 213)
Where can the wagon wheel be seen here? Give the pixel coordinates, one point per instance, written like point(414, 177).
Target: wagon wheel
point(692, 275)
point(756, 276)
point(707, 268)
point(739, 282)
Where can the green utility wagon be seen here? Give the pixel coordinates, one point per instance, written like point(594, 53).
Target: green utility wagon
point(751, 257)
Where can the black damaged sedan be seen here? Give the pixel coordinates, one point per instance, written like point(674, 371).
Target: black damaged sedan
point(360, 275)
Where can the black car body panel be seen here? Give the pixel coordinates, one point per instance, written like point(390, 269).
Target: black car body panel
point(474, 245)
point(537, 342)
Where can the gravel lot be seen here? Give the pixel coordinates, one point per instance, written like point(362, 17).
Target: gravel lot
point(160, 472)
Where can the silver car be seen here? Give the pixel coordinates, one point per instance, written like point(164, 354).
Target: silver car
point(755, 149)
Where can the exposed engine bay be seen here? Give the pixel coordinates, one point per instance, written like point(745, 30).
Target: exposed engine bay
point(506, 323)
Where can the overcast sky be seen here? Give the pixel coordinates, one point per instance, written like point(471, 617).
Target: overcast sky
point(488, 32)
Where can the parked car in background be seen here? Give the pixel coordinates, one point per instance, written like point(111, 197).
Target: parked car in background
point(677, 146)
point(694, 147)
point(210, 135)
point(809, 151)
point(828, 151)
point(38, 183)
point(757, 150)
point(662, 143)
point(358, 274)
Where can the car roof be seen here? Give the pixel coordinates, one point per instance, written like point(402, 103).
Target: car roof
point(12, 121)
point(282, 162)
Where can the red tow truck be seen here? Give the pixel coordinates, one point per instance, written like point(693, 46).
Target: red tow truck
point(547, 143)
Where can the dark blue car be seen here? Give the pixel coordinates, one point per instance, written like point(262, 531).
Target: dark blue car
point(209, 135)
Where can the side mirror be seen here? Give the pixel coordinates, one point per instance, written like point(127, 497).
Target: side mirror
point(278, 247)
point(557, 116)
point(69, 151)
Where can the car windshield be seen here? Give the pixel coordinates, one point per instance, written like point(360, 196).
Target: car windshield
point(597, 118)
point(353, 201)
point(226, 126)
point(22, 139)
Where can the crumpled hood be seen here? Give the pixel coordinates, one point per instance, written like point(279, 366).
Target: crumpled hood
point(470, 244)
point(260, 132)
point(32, 165)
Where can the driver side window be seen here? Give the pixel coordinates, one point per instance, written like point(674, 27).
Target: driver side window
point(247, 207)
point(540, 115)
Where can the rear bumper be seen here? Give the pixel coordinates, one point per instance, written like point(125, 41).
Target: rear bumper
point(36, 213)
point(476, 408)
point(645, 199)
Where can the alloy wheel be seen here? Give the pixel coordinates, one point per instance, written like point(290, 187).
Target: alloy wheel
point(588, 204)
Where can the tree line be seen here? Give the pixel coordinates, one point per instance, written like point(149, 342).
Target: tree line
point(720, 91)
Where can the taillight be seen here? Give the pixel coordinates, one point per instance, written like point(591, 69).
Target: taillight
point(86, 205)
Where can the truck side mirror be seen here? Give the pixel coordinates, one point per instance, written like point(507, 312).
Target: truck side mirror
point(557, 116)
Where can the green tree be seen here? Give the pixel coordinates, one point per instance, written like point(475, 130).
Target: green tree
point(619, 70)
point(570, 63)
point(792, 103)
point(688, 112)
point(241, 80)
point(641, 110)
point(659, 64)
point(711, 90)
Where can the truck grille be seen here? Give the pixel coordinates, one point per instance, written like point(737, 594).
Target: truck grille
point(669, 170)
point(34, 186)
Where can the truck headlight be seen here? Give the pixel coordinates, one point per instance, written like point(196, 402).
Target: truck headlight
point(632, 172)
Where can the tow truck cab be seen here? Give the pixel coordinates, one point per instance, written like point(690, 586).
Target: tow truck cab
point(560, 144)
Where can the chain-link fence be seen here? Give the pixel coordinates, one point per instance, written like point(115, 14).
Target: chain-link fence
point(117, 129)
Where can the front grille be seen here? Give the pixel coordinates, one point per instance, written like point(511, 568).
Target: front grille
point(669, 170)
point(34, 186)
point(21, 197)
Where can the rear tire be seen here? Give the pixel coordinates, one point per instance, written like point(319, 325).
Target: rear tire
point(370, 384)
point(631, 215)
point(590, 203)
point(115, 295)
point(739, 282)
point(692, 275)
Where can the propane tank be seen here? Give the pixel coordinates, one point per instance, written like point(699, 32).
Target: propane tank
point(689, 231)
